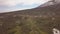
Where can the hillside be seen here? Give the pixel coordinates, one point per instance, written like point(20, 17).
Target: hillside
point(40, 20)
point(53, 10)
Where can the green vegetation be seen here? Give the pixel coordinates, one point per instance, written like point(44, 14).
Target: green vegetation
point(29, 25)
point(39, 20)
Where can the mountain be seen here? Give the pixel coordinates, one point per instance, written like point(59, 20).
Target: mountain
point(40, 20)
point(50, 2)
point(52, 10)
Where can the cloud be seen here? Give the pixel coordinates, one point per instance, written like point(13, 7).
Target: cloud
point(23, 2)
point(8, 5)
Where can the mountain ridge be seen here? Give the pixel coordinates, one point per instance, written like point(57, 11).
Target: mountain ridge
point(48, 10)
point(40, 20)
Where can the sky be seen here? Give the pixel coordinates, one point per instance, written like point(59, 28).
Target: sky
point(12, 5)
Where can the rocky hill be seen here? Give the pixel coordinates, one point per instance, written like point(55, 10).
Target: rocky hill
point(40, 20)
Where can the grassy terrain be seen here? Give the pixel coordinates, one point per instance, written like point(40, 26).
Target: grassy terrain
point(32, 21)
point(28, 25)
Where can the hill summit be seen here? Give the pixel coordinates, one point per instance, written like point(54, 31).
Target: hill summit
point(50, 2)
point(40, 20)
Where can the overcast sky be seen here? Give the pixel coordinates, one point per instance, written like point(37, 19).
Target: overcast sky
point(7, 5)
